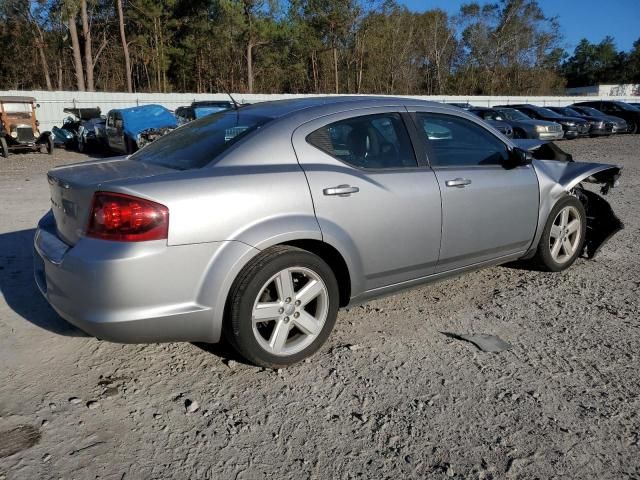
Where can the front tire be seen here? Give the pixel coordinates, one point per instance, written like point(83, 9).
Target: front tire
point(282, 307)
point(563, 236)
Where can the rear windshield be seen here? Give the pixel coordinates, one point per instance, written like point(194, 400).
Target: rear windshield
point(196, 144)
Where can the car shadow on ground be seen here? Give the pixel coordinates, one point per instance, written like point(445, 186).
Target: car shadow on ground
point(18, 287)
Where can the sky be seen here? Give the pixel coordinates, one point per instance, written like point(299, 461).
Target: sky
point(591, 19)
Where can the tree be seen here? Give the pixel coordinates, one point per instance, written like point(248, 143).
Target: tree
point(125, 46)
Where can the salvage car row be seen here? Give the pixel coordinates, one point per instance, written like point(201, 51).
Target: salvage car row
point(126, 130)
point(582, 119)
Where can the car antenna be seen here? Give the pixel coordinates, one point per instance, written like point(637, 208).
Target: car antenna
point(235, 104)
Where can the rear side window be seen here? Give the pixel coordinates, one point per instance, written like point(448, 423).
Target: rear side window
point(198, 143)
point(456, 141)
point(369, 141)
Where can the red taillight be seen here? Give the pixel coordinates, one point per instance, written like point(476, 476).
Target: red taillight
point(115, 216)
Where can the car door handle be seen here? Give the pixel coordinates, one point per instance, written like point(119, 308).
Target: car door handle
point(341, 190)
point(458, 182)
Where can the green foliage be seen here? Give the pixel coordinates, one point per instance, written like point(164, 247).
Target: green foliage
point(298, 46)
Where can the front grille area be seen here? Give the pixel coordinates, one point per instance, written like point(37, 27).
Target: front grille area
point(25, 134)
point(583, 128)
point(608, 127)
point(555, 128)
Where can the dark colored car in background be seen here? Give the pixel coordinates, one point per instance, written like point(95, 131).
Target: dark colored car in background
point(521, 125)
point(573, 127)
point(619, 124)
point(490, 117)
point(494, 119)
point(599, 126)
point(527, 127)
point(630, 113)
point(201, 109)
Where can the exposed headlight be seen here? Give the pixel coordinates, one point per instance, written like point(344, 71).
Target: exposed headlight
point(14, 133)
point(542, 128)
point(596, 123)
point(569, 124)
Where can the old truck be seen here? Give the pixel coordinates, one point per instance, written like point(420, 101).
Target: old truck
point(19, 128)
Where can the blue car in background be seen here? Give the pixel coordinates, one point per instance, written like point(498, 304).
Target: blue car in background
point(130, 129)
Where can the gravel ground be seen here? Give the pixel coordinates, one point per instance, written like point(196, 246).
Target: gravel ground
point(389, 396)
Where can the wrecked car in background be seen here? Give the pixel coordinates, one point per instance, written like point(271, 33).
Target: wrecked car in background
point(130, 129)
point(335, 201)
point(83, 129)
point(19, 128)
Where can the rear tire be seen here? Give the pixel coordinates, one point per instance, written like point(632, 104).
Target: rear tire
point(4, 148)
point(50, 145)
point(282, 307)
point(563, 236)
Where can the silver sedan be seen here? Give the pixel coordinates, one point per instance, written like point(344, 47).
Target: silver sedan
point(259, 223)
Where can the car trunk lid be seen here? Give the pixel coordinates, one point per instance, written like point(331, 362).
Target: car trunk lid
point(72, 188)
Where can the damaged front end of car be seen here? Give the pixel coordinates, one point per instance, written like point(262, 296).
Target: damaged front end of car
point(151, 134)
point(558, 178)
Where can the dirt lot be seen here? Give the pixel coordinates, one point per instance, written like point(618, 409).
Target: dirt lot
point(389, 396)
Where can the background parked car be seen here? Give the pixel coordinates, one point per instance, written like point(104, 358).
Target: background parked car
point(129, 129)
point(619, 124)
point(630, 113)
point(84, 128)
point(200, 109)
point(494, 119)
point(598, 125)
point(527, 127)
point(19, 126)
point(573, 127)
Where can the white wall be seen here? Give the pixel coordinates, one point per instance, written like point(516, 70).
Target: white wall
point(52, 104)
point(612, 90)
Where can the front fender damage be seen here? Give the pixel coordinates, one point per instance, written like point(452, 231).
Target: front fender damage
point(558, 178)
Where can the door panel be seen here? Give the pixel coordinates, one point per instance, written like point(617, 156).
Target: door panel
point(391, 224)
point(488, 211)
point(494, 215)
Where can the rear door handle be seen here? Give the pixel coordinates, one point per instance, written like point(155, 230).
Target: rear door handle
point(458, 182)
point(341, 190)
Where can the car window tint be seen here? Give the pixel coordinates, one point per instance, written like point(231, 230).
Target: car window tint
point(370, 141)
point(456, 141)
point(199, 142)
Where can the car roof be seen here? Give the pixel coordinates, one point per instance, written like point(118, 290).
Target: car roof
point(331, 104)
point(16, 99)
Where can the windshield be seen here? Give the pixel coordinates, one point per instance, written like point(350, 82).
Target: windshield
point(627, 107)
point(17, 110)
point(513, 114)
point(591, 111)
point(488, 114)
point(547, 113)
point(569, 112)
point(196, 144)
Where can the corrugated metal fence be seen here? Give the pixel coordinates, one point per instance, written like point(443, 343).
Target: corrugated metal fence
point(51, 112)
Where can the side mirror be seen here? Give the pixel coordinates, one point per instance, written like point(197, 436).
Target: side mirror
point(518, 158)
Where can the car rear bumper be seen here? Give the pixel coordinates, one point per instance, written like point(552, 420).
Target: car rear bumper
point(141, 292)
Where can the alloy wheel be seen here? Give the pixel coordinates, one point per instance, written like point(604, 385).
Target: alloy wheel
point(290, 311)
point(564, 237)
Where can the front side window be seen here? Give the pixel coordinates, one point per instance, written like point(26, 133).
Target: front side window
point(369, 141)
point(456, 141)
